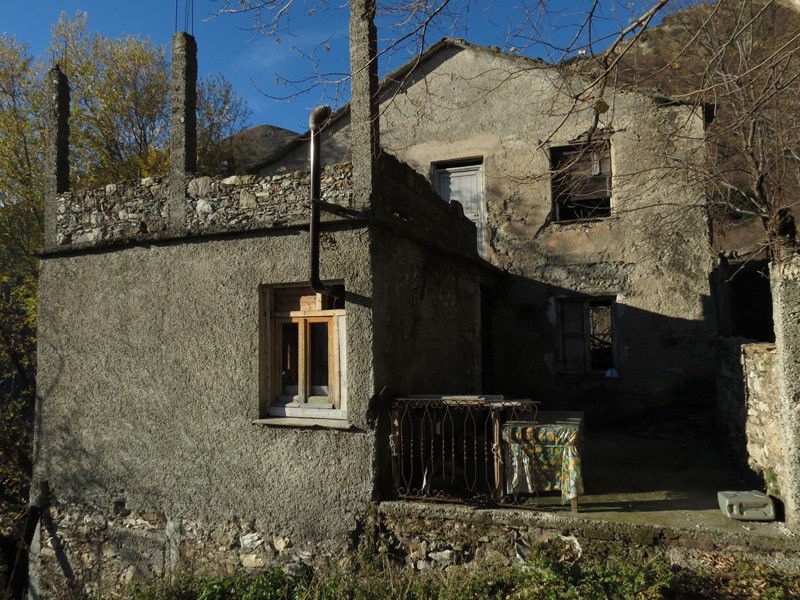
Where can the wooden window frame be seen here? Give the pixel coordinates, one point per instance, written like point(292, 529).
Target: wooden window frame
point(305, 403)
point(568, 183)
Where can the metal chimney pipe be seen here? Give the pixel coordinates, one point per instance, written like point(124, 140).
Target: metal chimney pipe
point(315, 122)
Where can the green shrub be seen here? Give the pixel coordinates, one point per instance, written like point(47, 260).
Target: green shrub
point(553, 571)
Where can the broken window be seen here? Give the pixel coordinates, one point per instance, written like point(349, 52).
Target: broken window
point(581, 182)
point(463, 182)
point(587, 335)
point(307, 345)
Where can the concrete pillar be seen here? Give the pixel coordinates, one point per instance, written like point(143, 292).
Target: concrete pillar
point(183, 123)
point(56, 167)
point(364, 131)
point(785, 280)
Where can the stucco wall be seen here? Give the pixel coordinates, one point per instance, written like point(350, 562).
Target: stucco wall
point(652, 256)
point(430, 306)
point(785, 282)
point(148, 386)
point(149, 349)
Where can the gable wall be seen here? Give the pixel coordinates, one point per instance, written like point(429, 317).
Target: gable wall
point(651, 256)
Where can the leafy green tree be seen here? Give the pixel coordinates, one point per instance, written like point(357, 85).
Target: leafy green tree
point(21, 153)
point(120, 113)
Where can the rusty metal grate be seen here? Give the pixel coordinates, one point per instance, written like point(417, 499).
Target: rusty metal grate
point(447, 448)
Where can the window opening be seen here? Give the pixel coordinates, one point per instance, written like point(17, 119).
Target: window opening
point(581, 181)
point(306, 350)
point(587, 335)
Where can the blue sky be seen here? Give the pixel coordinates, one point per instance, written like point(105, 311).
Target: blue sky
point(224, 44)
point(252, 63)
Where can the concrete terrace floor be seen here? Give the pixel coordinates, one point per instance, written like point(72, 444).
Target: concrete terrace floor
point(651, 486)
point(665, 472)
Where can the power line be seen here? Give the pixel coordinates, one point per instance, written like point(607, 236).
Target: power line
point(188, 16)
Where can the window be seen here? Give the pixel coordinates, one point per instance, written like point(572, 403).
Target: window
point(587, 335)
point(307, 354)
point(463, 182)
point(581, 183)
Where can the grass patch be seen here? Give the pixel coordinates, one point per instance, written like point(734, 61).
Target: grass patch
point(552, 571)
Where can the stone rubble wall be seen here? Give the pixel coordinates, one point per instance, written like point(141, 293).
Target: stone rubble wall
point(407, 199)
point(427, 536)
point(765, 442)
point(139, 210)
point(86, 551)
point(749, 409)
point(114, 212)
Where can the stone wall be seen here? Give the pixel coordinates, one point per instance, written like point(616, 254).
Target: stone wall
point(139, 210)
point(87, 550)
point(113, 212)
point(765, 443)
point(439, 536)
point(409, 204)
point(748, 405)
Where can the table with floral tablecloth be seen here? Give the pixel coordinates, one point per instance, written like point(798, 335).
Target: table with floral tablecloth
point(544, 455)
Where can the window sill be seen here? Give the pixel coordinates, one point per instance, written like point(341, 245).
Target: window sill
point(342, 424)
point(567, 223)
point(307, 411)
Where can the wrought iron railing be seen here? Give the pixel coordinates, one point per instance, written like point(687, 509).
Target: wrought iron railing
point(448, 448)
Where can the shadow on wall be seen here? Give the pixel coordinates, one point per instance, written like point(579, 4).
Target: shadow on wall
point(67, 535)
point(744, 298)
point(557, 346)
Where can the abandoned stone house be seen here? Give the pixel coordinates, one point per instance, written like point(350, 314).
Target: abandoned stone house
point(622, 259)
point(200, 404)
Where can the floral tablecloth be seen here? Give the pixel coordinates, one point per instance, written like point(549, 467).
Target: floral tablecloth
point(544, 455)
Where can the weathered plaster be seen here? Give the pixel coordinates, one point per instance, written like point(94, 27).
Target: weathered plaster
point(149, 350)
point(785, 281)
point(652, 255)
